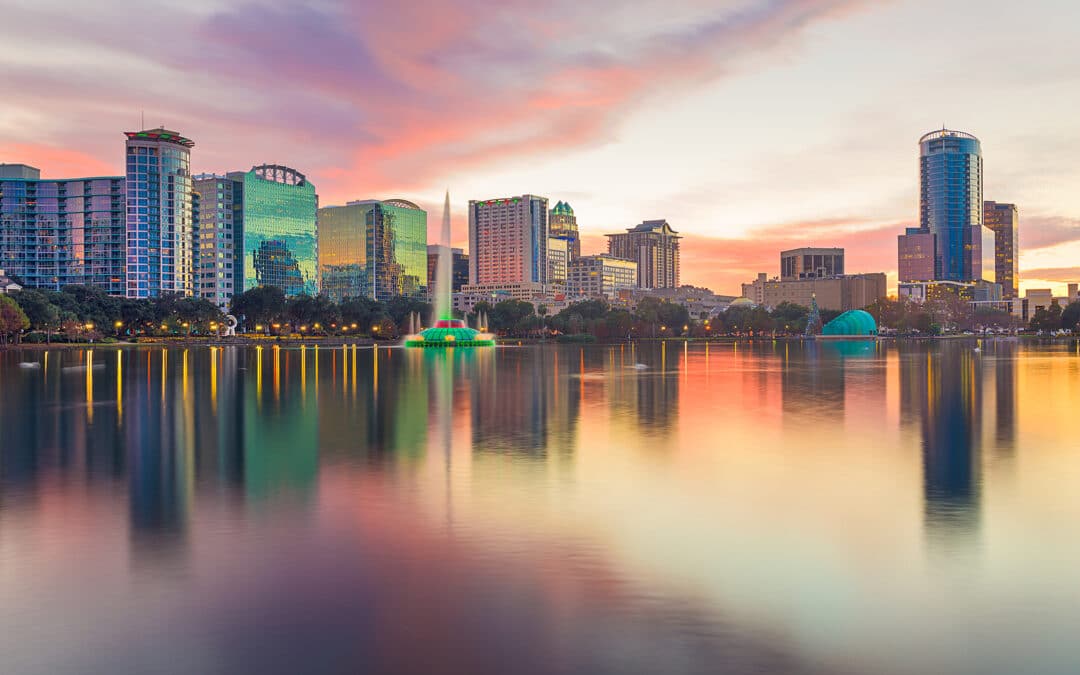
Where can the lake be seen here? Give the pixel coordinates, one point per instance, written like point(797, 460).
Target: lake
point(764, 507)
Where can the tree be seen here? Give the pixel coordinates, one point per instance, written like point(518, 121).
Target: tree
point(506, 316)
point(39, 310)
point(1070, 316)
point(260, 305)
point(12, 319)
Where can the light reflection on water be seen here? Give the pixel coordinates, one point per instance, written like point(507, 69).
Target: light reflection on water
point(767, 507)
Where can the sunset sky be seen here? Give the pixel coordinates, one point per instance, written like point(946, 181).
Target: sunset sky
point(750, 125)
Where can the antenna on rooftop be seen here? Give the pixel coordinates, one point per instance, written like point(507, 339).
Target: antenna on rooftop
point(142, 119)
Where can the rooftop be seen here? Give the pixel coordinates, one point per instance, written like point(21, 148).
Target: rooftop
point(160, 134)
point(946, 133)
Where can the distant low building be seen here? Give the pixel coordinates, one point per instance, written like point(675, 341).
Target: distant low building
point(696, 300)
point(842, 293)
point(600, 276)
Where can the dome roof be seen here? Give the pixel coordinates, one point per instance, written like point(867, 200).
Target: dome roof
point(741, 302)
point(563, 209)
point(853, 322)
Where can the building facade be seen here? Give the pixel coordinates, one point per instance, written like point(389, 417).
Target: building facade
point(1004, 221)
point(56, 233)
point(563, 225)
point(601, 276)
point(508, 241)
point(951, 202)
point(218, 205)
point(654, 246)
point(279, 230)
point(160, 224)
point(811, 263)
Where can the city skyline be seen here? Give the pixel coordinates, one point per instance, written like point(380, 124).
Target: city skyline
point(654, 132)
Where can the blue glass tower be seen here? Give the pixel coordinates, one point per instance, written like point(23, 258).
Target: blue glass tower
point(951, 202)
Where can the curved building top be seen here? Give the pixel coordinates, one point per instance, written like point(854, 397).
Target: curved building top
point(949, 140)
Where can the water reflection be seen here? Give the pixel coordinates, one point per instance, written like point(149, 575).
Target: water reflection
point(608, 509)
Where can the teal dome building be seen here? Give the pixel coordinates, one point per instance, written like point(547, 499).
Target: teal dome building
point(855, 323)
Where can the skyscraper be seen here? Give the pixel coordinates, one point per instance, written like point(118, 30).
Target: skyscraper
point(508, 241)
point(655, 248)
point(397, 250)
point(374, 249)
point(160, 224)
point(951, 202)
point(279, 232)
point(59, 232)
point(811, 263)
point(343, 250)
point(563, 225)
point(220, 216)
point(915, 255)
point(558, 260)
point(459, 270)
point(1004, 221)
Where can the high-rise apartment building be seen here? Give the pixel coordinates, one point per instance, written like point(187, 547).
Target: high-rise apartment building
point(278, 232)
point(60, 232)
point(600, 276)
point(160, 224)
point(951, 202)
point(374, 249)
point(811, 263)
point(655, 248)
point(1004, 221)
point(219, 206)
point(562, 224)
point(508, 241)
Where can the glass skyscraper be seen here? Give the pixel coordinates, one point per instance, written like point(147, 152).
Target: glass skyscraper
point(951, 202)
point(397, 250)
point(374, 249)
point(343, 250)
point(56, 233)
point(160, 223)
point(278, 230)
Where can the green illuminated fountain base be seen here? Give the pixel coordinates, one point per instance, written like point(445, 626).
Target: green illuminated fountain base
point(450, 333)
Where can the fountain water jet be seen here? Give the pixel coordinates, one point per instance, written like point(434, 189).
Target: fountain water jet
point(447, 331)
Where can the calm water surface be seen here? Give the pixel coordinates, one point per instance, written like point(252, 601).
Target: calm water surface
point(759, 508)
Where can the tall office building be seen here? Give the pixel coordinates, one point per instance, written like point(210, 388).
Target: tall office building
point(951, 202)
point(508, 241)
point(558, 259)
point(1003, 220)
point(915, 255)
point(374, 249)
point(655, 248)
point(160, 224)
point(397, 250)
point(278, 231)
point(343, 250)
point(811, 263)
point(60, 232)
point(562, 224)
point(219, 207)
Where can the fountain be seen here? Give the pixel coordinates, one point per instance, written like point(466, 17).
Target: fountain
point(447, 331)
